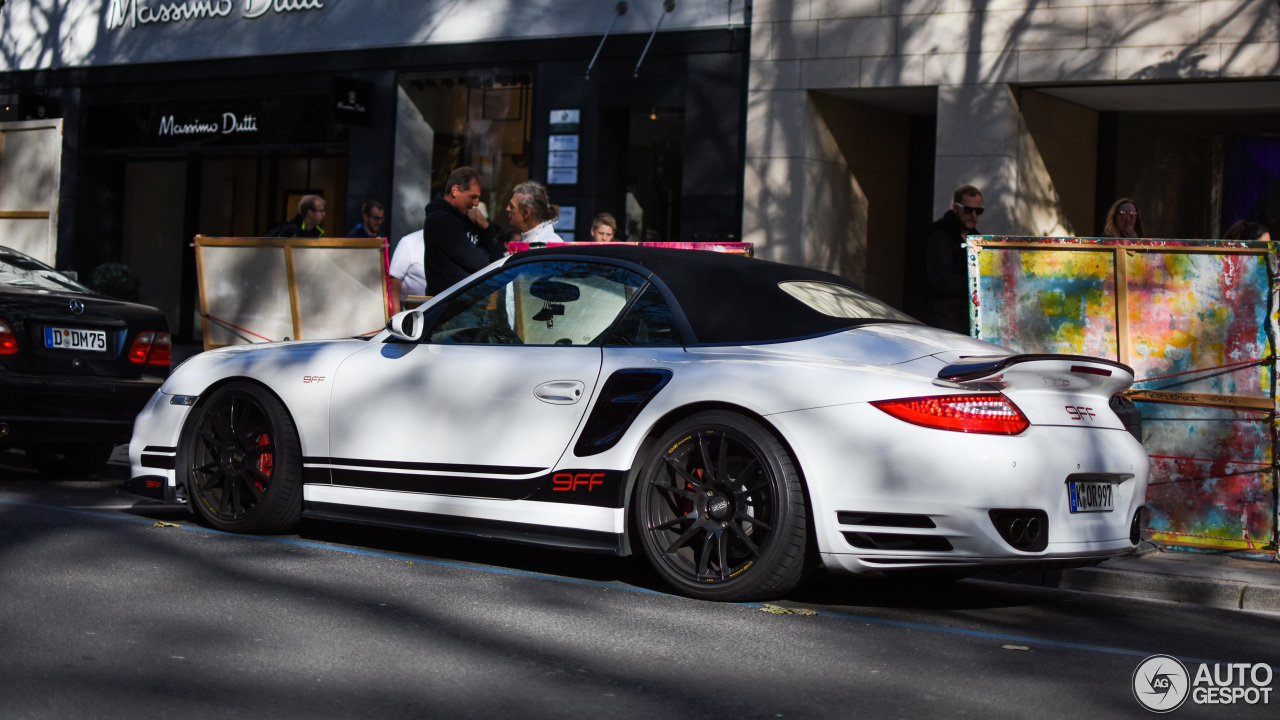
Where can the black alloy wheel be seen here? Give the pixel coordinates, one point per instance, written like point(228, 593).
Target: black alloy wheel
point(242, 461)
point(720, 510)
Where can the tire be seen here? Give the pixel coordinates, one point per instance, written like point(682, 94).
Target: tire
point(738, 536)
point(241, 461)
point(69, 460)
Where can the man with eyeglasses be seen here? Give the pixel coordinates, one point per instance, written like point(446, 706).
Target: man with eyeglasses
point(373, 214)
point(946, 302)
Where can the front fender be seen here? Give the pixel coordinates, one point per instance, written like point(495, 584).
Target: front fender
point(299, 373)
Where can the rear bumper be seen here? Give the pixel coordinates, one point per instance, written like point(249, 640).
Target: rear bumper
point(891, 496)
point(71, 409)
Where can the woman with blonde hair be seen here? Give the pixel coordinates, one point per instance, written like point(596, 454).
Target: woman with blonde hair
point(1123, 220)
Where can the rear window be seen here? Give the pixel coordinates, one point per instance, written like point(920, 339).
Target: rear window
point(842, 302)
point(22, 271)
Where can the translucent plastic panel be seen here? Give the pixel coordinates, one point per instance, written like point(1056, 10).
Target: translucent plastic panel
point(30, 236)
point(246, 295)
point(340, 291)
point(29, 168)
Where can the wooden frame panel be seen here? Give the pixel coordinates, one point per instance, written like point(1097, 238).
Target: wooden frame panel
point(358, 295)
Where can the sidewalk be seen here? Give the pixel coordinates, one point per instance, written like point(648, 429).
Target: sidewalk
point(1156, 573)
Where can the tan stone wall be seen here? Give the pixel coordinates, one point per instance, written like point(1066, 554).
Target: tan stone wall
point(802, 203)
point(976, 54)
point(1066, 136)
point(936, 42)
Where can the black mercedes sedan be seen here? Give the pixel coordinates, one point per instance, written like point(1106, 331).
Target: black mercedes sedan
point(75, 366)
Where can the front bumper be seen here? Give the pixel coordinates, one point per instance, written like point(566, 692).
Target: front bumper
point(153, 450)
point(887, 495)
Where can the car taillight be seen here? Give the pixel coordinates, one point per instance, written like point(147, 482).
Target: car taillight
point(991, 414)
point(151, 348)
point(8, 341)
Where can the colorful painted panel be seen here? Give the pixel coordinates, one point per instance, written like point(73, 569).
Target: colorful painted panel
point(1196, 321)
point(1199, 311)
point(1048, 300)
point(1211, 479)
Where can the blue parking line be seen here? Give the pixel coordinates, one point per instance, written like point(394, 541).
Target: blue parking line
point(1022, 640)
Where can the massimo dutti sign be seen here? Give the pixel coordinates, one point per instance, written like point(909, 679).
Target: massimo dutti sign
point(277, 120)
point(132, 13)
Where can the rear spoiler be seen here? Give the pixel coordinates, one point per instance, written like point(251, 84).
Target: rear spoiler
point(984, 366)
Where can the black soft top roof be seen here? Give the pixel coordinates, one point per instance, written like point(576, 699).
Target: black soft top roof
point(726, 298)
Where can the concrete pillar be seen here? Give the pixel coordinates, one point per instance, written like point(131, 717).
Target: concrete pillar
point(983, 141)
point(806, 207)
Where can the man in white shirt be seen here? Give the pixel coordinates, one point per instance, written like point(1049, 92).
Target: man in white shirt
point(407, 276)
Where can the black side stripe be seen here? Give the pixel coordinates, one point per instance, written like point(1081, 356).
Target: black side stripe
point(423, 467)
point(160, 462)
point(594, 488)
point(486, 487)
point(159, 449)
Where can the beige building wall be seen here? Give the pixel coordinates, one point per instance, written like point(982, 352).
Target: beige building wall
point(1066, 136)
point(803, 204)
point(1031, 154)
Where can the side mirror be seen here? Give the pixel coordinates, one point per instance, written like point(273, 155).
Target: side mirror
point(407, 325)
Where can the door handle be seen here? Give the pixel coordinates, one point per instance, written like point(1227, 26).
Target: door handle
point(560, 392)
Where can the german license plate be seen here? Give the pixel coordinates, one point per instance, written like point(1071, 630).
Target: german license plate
point(1091, 496)
point(75, 339)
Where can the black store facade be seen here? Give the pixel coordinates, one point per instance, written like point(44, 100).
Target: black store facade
point(157, 152)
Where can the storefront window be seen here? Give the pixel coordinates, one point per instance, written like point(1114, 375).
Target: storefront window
point(655, 165)
point(479, 118)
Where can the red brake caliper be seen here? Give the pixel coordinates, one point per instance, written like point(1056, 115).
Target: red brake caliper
point(687, 505)
point(265, 460)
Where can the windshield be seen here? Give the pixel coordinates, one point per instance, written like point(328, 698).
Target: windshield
point(843, 302)
point(23, 271)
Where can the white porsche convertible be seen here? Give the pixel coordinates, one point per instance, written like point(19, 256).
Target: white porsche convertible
point(735, 420)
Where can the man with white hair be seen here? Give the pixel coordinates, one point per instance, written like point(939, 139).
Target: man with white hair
point(532, 213)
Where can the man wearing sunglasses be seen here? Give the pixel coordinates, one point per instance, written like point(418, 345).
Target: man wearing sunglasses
point(946, 302)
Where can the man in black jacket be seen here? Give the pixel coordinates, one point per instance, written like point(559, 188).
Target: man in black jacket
point(457, 238)
point(946, 301)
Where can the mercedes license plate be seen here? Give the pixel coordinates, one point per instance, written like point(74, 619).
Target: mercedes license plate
point(75, 339)
point(1091, 496)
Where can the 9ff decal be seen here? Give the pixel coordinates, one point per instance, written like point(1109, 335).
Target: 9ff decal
point(1080, 413)
point(312, 378)
point(568, 482)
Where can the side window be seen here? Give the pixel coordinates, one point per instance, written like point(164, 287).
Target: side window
point(648, 322)
point(546, 303)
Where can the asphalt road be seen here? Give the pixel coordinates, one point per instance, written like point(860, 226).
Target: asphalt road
point(110, 607)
